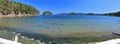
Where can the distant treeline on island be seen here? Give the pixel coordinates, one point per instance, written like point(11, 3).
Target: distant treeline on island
point(92, 14)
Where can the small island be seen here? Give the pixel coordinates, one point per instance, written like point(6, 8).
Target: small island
point(10, 8)
point(47, 13)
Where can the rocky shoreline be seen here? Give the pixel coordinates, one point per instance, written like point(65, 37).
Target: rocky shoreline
point(12, 15)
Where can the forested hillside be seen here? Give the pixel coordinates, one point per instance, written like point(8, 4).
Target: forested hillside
point(11, 7)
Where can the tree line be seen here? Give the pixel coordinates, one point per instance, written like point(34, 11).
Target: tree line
point(93, 14)
point(8, 6)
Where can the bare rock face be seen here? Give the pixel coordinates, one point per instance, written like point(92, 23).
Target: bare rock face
point(5, 12)
point(19, 14)
point(1, 14)
point(12, 14)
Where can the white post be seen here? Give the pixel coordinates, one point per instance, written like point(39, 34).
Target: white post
point(16, 38)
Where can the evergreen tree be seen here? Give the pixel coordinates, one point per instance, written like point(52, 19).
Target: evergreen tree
point(10, 5)
point(47, 13)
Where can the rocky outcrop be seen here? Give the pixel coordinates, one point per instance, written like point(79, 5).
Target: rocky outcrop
point(12, 14)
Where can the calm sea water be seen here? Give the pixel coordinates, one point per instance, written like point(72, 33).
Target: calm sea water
point(64, 25)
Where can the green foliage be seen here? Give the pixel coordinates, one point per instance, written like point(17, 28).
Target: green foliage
point(47, 13)
point(17, 7)
point(73, 13)
point(113, 14)
point(91, 14)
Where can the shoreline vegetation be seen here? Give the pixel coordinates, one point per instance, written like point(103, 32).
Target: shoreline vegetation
point(10, 8)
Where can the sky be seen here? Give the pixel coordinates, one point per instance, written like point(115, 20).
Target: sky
point(81, 6)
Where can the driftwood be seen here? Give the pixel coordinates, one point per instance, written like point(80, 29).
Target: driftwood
point(116, 34)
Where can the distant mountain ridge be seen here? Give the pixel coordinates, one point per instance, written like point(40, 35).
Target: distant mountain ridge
point(93, 14)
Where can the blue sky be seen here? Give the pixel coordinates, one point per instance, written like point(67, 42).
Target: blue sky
point(82, 6)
